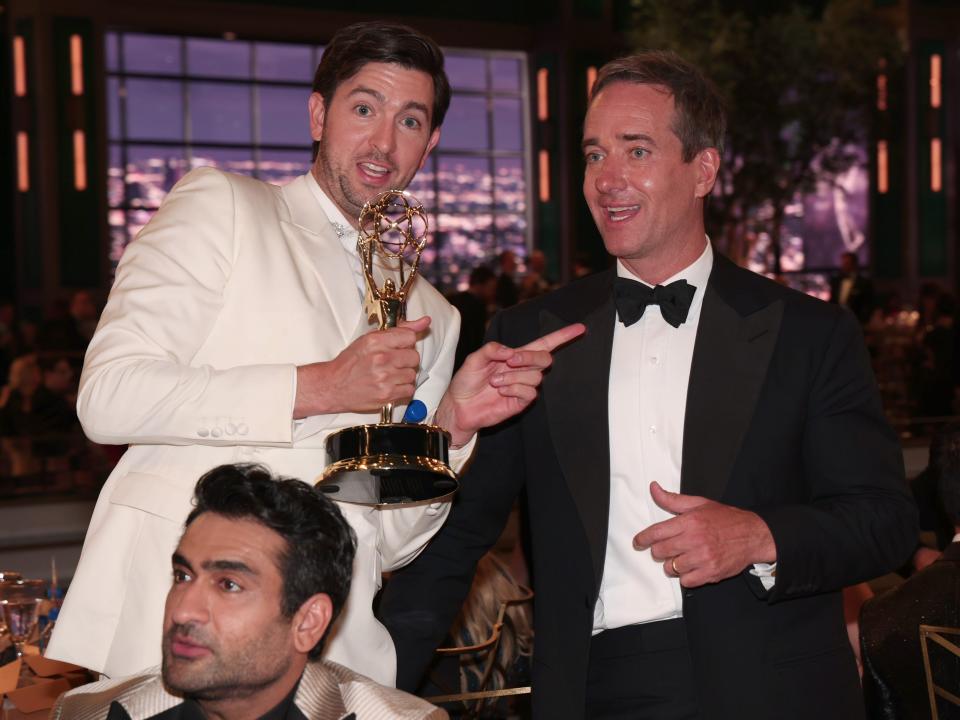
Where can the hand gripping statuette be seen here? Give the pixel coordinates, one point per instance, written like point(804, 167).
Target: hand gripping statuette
point(389, 463)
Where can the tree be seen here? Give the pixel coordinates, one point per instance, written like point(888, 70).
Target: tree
point(799, 82)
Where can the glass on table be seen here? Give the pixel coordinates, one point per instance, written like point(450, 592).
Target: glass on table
point(20, 601)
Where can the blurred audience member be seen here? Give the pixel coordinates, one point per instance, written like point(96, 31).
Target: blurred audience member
point(83, 310)
point(17, 396)
point(69, 324)
point(507, 292)
point(535, 282)
point(12, 342)
point(894, 681)
point(851, 289)
point(474, 305)
point(935, 347)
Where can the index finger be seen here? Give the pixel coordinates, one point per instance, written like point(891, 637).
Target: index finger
point(552, 341)
point(658, 532)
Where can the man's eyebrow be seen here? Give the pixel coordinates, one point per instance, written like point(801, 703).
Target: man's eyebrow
point(634, 137)
point(231, 565)
point(361, 90)
point(179, 559)
point(414, 105)
point(589, 141)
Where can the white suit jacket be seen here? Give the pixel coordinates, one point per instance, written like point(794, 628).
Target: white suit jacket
point(231, 285)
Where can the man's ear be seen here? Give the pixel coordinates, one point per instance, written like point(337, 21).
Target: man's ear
point(317, 115)
point(707, 166)
point(311, 621)
point(431, 144)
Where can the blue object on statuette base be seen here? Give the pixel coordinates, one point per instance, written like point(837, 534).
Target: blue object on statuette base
point(416, 412)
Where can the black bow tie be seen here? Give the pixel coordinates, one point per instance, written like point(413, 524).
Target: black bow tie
point(632, 297)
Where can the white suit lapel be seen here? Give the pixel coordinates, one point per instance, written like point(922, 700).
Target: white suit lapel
point(321, 247)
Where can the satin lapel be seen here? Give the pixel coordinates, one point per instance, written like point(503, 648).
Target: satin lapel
point(320, 247)
point(575, 393)
point(730, 361)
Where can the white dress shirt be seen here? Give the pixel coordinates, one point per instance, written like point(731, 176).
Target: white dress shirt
point(649, 372)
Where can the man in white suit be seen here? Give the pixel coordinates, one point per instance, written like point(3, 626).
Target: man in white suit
point(234, 333)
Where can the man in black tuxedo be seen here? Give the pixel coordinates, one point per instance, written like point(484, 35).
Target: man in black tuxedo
point(853, 290)
point(707, 467)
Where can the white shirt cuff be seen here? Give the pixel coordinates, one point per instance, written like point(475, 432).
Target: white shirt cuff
point(767, 572)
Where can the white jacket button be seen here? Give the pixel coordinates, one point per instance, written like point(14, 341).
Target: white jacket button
point(203, 432)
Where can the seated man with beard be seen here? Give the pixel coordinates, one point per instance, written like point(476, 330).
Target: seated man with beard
point(259, 576)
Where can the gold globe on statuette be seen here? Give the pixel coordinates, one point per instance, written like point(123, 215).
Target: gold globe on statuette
point(388, 463)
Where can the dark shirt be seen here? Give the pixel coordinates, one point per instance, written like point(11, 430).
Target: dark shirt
point(473, 324)
point(190, 710)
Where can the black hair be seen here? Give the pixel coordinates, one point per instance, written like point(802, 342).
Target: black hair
point(319, 543)
point(945, 466)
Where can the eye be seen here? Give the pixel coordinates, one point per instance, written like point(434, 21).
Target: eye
point(363, 110)
point(592, 157)
point(410, 122)
point(180, 576)
point(639, 153)
point(229, 586)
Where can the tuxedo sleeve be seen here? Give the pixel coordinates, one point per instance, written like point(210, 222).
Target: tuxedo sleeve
point(421, 601)
point(138, 382)
point(860, 521)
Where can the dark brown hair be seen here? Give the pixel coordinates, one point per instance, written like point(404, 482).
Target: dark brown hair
point(699, 120)
point(366, 42)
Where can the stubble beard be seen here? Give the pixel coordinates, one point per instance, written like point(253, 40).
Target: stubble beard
point(218, 677)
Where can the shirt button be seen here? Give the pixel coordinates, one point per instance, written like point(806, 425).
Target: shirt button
point(203, 432)
point(653, 429)
point(654, 360)
point(216, 432)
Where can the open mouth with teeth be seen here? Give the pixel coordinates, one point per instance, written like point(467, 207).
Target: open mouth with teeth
point(619, 214)
point(373, 171)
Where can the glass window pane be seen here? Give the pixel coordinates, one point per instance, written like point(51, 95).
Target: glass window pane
point(220, 112)
point(511, 186)
point(112, 52)
point(507, 124)
point(505, 73)
point(466, 72)
point(236, 161)
point(115, 175)
point(151, 54)
point(276, 61)
point(218, 58)
point(421, 186)
point(282, 166)
point(154, 109)
point(151, 172)
point(465, 185)
point(113, 108)
point(512, 234)
point(463, 242)
point(136, 219)
point(465, 127)
point(117, 222)
point(284, 119)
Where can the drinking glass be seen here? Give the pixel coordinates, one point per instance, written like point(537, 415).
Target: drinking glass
point(20, 602)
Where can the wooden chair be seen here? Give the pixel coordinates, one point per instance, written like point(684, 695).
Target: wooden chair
point(928, 634)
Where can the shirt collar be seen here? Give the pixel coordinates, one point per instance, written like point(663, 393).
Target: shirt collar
point(696, 273)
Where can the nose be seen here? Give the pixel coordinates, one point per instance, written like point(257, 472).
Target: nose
point(384, 137)
point(609, 177)
point(187, 603)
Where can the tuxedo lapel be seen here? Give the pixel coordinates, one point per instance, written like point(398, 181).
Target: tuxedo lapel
point(317, 243)
point(575, 393)
point(735, 341)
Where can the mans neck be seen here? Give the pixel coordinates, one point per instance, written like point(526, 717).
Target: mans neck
point(255, 706)
point(655, 268)
point(319, 177)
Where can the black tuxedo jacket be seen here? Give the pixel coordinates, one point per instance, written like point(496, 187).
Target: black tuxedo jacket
point(782, 418)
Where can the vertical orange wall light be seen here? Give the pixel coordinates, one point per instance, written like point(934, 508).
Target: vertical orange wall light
point(591, 79)
point(883, 168)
